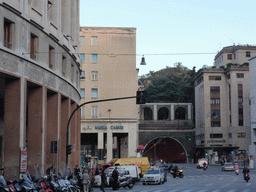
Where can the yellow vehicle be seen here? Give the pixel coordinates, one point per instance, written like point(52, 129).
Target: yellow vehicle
point(141, 162)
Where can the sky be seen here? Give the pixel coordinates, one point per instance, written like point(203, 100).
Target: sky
point(170, 31)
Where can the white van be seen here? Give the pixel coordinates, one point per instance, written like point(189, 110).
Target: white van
point(134, 170)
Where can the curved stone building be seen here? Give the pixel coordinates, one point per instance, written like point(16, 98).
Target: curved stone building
point(39, 85)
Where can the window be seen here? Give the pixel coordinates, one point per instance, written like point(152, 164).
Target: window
point(230, 135)
point(51, 56)
point(217, 135)
point(241, 135)
point(214, 89)
point(64, 65)
point(82, 40)
point(215, 123)
point(82, 75)
point(239, 75)
point(228, 76)
point(82, 112)
point(215, 101)
point(234, 56)
point(94, 58)
point(240, 111)
point(94, 111)
point(72, 72)
point(94, 40)
point(82, 92)
point(94, 93)
point(82, 57)
point(240, 122)
point(229, 56)
point(240, 99)
point(217, 78)
point(33, 46)
point(8, 33)
point(248, 54)
point(215, 113)
point(94, 75)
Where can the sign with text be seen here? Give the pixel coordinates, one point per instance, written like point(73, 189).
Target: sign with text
point(23, 161)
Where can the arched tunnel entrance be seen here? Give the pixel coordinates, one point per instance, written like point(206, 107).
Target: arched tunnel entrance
point(166, 149)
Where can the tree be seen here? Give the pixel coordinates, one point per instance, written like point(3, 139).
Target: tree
point(173, 84)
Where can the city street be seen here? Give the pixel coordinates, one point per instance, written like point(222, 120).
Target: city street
point(199, 180)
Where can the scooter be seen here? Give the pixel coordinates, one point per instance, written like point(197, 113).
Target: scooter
point(237, 171)
point(10, 185)
point(179, 173)
point(126, 182)
point(246, 177)
point(3, 185)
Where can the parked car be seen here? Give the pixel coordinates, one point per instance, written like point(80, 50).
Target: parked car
point(153, 176)
point(228, 167)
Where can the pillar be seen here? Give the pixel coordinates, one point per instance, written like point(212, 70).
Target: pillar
point(189, 112)
point(172, 112)
point(109, 146)
point(155, 112)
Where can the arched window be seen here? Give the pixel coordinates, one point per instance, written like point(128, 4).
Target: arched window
point(180, 113)
point(163, 113)
point(148, 114)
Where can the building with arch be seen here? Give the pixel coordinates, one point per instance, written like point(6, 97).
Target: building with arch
point(167, 131)
point(39, 85)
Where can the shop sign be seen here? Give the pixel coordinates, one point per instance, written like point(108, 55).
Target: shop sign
point(116, 127)
point(23, 161)
point(100, 127)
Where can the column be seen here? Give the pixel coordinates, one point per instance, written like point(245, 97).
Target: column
point(109, 146)
point(172, 112)
point(155, 112)
point(132, 144)
point(101, 147)
point(189, 112)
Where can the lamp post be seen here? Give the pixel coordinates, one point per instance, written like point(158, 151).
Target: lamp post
point(96, 101)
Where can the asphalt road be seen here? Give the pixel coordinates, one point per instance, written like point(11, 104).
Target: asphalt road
point(199, 180)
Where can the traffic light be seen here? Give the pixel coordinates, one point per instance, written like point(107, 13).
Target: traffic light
point(206, 154)
point(68, 149)
point(141, 97)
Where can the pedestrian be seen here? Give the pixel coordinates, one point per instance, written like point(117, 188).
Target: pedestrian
point(103, 180)
point(86, 180)
point(76, 170)
point(92, 178)
point(97, 170)
point(115, 177)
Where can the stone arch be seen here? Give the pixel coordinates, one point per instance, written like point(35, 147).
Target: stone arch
point(180, 113)
point(167, 149)
point(163, 113)
point(148, 113)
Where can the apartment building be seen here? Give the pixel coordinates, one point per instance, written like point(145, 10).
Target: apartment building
point(39, 85)
point(252, 100)
point(222, 112)
point(109, 129)
point(235, 54)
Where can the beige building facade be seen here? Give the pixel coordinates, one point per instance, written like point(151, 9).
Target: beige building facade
point(109, 129)
point(39, 85)
point(222, 112)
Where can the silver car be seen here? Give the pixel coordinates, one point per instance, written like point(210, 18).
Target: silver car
point(228, 167)
point(153, 176)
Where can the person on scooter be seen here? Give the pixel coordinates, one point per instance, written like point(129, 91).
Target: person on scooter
point(175, 170)
point(236, 168)
point(245, 170)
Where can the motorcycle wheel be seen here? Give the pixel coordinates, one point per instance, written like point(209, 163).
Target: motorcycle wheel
point(130, 185)
point(174, 176)
point(42, 190)
point(181, 175)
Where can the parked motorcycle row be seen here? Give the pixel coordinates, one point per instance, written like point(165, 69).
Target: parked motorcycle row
point(49, 183)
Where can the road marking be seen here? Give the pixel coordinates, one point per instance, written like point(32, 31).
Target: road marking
point(246, 190)
point(221, 178)
point(216, 191)
point(209, 184)
point(187, 191)
point(202, 191)
point(173, 190)
point(233, 190)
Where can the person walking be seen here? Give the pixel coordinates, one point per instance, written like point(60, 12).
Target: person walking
point(115, 177)
point(86, 180)
point(103, 180)
point(92, 178)
point(76, 170)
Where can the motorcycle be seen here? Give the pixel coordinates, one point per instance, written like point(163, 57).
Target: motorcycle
point(179, 173)
point(27, 184)
point(205, 166)
point(17, 185)
point(122, 182)
point(10, 185)
point(3, 185)
point(246, 177)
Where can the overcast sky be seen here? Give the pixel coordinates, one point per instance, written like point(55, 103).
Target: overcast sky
point(176, 27)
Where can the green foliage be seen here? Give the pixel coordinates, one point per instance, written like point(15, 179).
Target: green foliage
point(173, 84)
